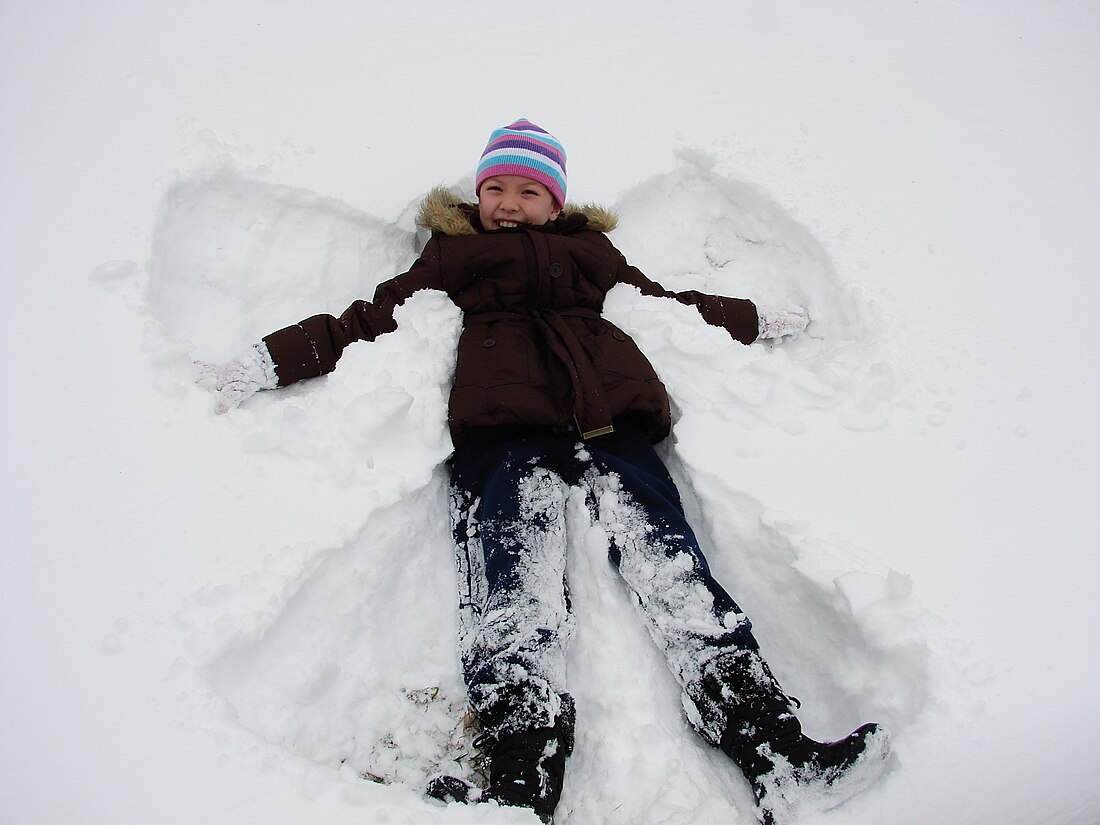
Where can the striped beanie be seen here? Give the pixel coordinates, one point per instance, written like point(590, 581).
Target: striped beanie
point(522, 148)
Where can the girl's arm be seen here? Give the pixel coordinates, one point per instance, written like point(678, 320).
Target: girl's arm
point(740, 317)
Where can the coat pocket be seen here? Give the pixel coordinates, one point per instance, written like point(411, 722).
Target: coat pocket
point(495, 354)
point(615, 354)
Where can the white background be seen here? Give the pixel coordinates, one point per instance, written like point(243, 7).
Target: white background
point(944, 154)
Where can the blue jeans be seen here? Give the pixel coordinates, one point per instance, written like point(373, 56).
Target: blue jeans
point(508, 517)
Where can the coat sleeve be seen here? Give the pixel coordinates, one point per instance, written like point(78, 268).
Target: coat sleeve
point(737, 316)
point(312, 347)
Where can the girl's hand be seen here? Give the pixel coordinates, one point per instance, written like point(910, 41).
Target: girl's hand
point(234, 381)
point(779, 323)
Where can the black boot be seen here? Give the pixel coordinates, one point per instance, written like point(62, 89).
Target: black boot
point(761, 734)
point(526, 769)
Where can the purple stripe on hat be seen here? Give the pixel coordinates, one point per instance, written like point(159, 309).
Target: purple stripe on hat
point(513, 142)
point(548, 142)
point(535, 137)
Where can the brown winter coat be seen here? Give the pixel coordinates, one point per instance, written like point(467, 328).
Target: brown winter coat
point(534, 349)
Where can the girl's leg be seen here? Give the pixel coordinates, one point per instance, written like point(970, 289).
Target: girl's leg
point(508, 521)
point(731, 694)
point(692, 618)
point(706, 638)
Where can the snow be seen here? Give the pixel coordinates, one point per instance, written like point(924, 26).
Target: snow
point(226, 618)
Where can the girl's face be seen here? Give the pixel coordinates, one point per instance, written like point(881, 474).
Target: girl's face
point(507, 201)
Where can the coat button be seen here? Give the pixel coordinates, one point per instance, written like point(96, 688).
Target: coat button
point(620, 336)
point(555, 270)
point(489, 342)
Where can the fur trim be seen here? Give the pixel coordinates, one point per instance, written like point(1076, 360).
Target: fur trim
point(446, 212)
point(441, 210)
point(599, 218)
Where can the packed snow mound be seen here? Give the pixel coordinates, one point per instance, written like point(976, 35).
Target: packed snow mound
point(345, 655)
point(234, 256)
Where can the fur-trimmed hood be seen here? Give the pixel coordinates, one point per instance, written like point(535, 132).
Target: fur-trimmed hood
point(443, 211)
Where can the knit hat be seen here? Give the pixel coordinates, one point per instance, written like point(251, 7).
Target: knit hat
point(522, 148)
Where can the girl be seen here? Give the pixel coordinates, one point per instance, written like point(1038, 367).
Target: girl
point(549, 396)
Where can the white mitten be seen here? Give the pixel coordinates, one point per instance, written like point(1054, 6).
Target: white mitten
point(778, 323)
point(234, 381)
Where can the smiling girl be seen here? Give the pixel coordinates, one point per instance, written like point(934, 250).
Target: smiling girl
point(549, 397)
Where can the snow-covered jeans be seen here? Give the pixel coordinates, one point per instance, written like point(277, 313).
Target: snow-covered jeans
point(508, 517)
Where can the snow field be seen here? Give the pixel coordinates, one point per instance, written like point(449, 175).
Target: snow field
point(931, 195)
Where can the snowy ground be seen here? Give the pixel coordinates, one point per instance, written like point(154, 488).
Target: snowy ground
point(230, 619)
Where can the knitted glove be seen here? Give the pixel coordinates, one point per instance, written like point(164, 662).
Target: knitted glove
point(234, 381)
point(777, 323)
